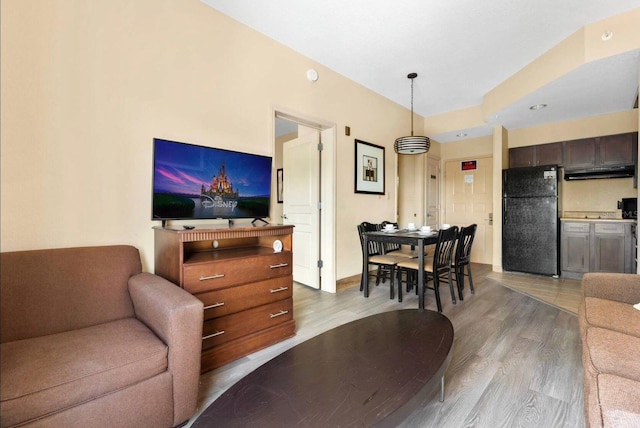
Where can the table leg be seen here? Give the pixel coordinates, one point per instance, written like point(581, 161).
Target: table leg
point(365, 267)
point(421, 274)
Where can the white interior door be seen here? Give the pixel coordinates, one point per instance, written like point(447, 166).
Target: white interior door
point(468, 200)
point(300, 163)
point(433, 193)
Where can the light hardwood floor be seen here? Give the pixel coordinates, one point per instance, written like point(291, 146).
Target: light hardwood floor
point(516, 360)
point(560, 292)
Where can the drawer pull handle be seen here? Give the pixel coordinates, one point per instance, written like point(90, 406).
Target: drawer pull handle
point(204, 278)
point(279, 314)
point(277, 290)
point(215, 305)
point(217, 333)
point(279, 265)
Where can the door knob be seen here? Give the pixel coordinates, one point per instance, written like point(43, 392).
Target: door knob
point(490, 219)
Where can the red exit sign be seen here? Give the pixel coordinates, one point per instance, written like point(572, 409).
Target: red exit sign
point(468, 165)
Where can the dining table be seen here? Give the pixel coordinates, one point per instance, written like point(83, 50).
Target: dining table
point(415, 238)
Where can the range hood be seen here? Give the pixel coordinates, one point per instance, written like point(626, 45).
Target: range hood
point(603, 172)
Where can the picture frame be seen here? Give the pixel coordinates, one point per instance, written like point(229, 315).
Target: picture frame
point(279, 184)
point(369, 169)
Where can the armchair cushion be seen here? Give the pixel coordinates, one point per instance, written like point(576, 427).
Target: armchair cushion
point(612, 315)
point(59, 371)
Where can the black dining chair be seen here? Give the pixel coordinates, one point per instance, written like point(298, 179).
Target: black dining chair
point(437, 268)
point(393, 249)
point(462, 258)
point(385, 263)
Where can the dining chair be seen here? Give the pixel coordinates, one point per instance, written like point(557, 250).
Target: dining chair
point(462, 258)
point(394, 249)
point(437, 268)
point(385, 263)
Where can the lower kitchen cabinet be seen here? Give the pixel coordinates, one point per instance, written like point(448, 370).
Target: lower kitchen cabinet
point(575, 249)
point(596, 246)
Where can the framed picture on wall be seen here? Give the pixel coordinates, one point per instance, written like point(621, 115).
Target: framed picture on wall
point(369, 168)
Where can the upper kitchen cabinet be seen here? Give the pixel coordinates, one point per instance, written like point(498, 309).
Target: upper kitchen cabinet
point(616, 150)
point(608, 151)
point(549, 154)
point(521, 156)
point(610, 156)
point(543, 154)
point(579, 153)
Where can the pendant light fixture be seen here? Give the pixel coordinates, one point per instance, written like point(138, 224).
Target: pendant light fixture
point(412, 145)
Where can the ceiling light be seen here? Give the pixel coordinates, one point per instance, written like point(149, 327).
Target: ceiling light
point(412, 145)
point(537, 107)
point(461, 135)
point(607, 35)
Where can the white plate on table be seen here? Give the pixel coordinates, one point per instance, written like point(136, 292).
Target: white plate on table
point(423, 233)
point(389, 230)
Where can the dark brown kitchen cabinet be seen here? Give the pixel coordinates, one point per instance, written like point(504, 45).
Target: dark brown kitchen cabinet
point(615, 150)
point(543, 154)
point(608, 151)
point(548, 154)
point(579, 154)
point(521, 156)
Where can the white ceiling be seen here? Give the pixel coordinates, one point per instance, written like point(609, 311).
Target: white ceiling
point(461, 50)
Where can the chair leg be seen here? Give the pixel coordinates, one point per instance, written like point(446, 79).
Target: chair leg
point(460, 281)
point(391, 284)
point(399, 279)
point(453, 293)
point(470, 279)
point(436, 289)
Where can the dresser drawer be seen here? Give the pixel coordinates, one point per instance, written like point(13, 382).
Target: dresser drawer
point(613, 228)
point(227, 301)
point(582, 227)
point(216, 274)
point(220, 330)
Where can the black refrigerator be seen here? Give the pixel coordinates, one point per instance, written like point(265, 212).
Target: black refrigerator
point(530, 223)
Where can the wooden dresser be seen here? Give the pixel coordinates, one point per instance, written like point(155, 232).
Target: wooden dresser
point(245, 285)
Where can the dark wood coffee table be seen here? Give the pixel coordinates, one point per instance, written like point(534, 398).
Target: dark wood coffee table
point(373, 371)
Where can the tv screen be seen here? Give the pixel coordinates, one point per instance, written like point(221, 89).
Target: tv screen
point(197, 182)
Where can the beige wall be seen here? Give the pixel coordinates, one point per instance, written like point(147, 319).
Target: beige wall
point(467, 148)
point(87, 85)
point(596, 195)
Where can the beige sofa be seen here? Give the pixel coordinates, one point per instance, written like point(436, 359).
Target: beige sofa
point(88, 340)
point(610, 331)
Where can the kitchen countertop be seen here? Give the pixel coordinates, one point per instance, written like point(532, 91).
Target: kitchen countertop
point(607, 220)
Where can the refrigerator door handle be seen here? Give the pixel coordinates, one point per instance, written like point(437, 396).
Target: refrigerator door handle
point(504, 211)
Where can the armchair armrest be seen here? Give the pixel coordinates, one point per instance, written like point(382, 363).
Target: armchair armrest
point(175, 316)
point(621, 287)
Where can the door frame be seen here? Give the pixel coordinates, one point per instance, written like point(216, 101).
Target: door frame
point(327, 226)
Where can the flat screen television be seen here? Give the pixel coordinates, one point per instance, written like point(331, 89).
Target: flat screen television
point(193, 182)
